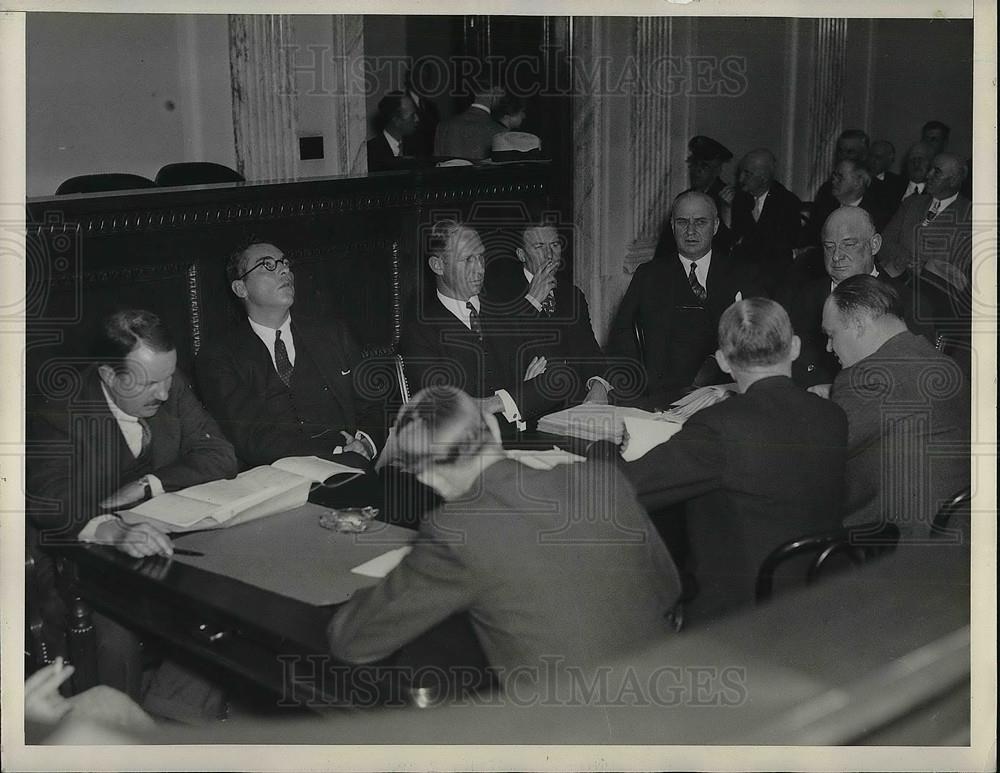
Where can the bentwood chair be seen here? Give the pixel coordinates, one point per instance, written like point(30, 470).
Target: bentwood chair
point(196, 173)
point(858, 544)
point(102, 183)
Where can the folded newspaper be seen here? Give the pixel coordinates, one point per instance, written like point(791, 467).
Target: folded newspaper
point(253, 494)
point(643, 429)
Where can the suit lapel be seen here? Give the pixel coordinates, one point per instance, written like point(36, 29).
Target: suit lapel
point(329, 358)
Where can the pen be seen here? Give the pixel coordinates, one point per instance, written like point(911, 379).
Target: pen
point(185, 552)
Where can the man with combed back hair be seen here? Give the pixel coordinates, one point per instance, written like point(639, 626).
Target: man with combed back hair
point(756, 470)
point(907, 407)
point(559, 563)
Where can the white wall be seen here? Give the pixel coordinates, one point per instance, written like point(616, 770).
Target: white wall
point(124, 93)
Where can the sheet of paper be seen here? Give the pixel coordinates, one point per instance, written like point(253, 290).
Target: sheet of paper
point(544, 460)
point(381, 565)
point(246, 485)
point(312, 467)
point(644, 435)
point(173, 509)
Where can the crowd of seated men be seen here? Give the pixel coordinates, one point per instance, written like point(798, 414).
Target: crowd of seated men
point(818, 363)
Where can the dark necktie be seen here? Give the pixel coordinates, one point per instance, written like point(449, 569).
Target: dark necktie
point(696, 287)
point(932, 211)
point(549, 304)
point(281, 361)
point(474, 322)
point(147, 436)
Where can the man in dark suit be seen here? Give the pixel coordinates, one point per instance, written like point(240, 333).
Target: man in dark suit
point(756, 470)
point(395, 120)
point(556, 564)
point(420, 144)
point(852, 145)
point(850, 186)
point(676, 303)
point(705, 160)
point(893, 186)
point(907, 407)
point(469, 135)
point(453, 334)
point(850, 247)
point(131, 430)
point(552, 315)
point(283, 387)
point(766, 218)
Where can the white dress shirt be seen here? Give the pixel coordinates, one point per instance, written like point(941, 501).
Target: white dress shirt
point(266, 334)
point(393, 143)
point(758, 205)
point(701, 267)
point(942, 204)
point(912, 188)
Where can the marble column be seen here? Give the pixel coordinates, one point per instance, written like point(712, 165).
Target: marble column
point(826, 104)
point(264, 122)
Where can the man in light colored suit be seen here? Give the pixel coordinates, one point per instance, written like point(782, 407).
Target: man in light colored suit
point(469, 135)
point(559, 564)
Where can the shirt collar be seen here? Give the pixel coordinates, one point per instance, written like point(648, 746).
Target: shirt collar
point(856, 203)
point(266, 334)
point(481, 107)
point(834, 284)
point(457, 307)
point(117, 412)
point(945, 203)
point(393, 143)
point(703, 262)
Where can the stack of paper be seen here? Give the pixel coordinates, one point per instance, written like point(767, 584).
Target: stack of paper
point(690, 404)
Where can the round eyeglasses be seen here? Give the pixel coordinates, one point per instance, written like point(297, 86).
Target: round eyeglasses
point(270, 263)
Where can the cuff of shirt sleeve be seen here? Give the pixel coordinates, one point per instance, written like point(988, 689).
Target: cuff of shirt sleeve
point(155, 486)
point(597, 379)
point(531, 299)
point(364, 437)
point(510, 410)
point(89, 532)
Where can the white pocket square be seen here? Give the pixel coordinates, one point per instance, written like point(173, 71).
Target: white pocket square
point(345, 372)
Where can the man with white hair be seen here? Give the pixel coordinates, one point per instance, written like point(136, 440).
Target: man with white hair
point(559, 563)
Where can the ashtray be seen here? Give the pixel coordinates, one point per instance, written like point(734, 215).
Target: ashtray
point(348, 520)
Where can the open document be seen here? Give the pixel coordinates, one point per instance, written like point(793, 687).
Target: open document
point(253, 494)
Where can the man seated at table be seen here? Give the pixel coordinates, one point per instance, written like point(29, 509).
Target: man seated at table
point(907, 408)
point(553, 315)
point(561, 563)
point(454, 334)
point(758, 469)
point(132, 430)
point(281, 386)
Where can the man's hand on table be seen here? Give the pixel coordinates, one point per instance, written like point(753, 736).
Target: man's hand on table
point(355, 445)
point(138, 541)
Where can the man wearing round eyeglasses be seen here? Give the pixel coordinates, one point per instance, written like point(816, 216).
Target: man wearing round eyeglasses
point(281, 386)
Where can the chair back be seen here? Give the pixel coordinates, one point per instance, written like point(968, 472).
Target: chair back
point(952, 512)
point(99, 183)
point(196, 173)
point(858, 544)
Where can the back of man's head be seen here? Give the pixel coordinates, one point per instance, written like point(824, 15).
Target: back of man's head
point(756, 333)
point(441, 427)
point(124, 331)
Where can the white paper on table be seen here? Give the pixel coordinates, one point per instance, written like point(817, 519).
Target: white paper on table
point(544, 460)
point(381, 565)
point(314, 468)
point(644, 435)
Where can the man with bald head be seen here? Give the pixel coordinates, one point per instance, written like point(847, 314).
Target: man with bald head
point(850, 245)
point(765, 218)
point(675, 303)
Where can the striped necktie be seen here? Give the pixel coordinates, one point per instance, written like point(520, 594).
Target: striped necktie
point(281, 361)
point(474, 322)
point(696, 287)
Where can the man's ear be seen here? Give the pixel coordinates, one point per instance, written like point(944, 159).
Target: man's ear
point(106, 374)
point(436, 264)
point(521, 255)
point(239, 288)
point(796, 348)
point(715, 230)
point(876, 243)
point(720, 358)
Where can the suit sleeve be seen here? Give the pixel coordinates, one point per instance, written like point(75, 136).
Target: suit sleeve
point(686, 466)
point(369, 409)
point(428, 586)
point(205, 454)
point(51, 500)
point(621, 337)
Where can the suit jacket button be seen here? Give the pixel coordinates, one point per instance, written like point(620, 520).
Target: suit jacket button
point(326, 389)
